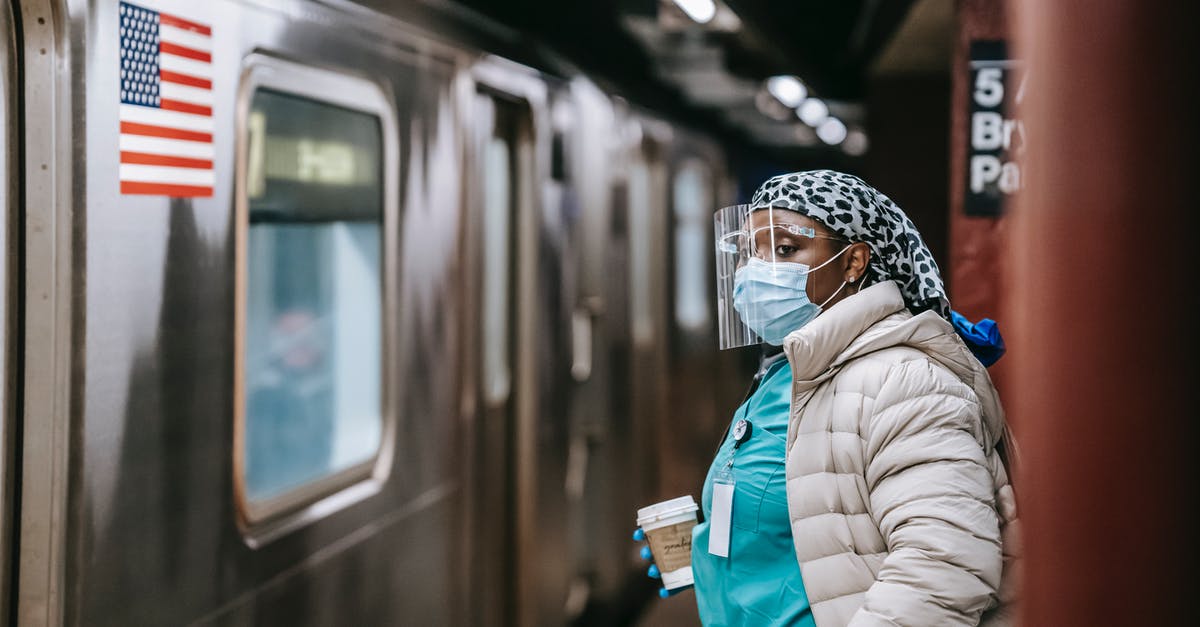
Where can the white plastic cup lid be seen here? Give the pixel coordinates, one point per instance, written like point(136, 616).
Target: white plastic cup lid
point(673, 507)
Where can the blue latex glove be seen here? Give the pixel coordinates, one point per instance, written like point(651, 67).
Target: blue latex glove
point(983, 337)
point(640, 536)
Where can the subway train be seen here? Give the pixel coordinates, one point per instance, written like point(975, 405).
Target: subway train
point(315, 313)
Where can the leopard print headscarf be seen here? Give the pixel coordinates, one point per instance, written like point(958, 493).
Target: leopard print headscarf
point(851, 208)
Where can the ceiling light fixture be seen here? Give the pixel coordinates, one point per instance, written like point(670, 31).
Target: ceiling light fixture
point(832, 131)
point(813, 111)
point(701, 11)
point(787, 89)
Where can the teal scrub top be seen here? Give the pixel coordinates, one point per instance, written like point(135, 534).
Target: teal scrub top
point(759, 583)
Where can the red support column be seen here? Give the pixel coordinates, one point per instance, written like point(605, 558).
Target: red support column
point(1102, 300)
point(976, 251)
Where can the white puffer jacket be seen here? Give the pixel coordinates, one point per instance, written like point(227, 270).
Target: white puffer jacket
point(901, 509)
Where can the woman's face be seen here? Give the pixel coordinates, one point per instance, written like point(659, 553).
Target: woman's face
point(774, 240)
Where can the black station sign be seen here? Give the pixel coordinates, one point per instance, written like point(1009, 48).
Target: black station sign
point(996, 139)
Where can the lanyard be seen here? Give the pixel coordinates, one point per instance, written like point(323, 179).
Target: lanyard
point(763, 367)
point(721, 518)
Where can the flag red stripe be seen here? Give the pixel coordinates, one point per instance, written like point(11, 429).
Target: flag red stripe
point(179, 22)
point(146, 158)
point(167, 47)
point(165, 189)
point(150, 130)
point(184, 107)
point(184, 79)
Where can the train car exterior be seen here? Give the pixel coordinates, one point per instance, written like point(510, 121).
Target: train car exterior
point(318, 314)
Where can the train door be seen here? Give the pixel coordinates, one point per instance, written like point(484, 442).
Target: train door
point(8, 195)
point(627, 363)
point(518, 347)
point(501, 463)
point(647, 246)
point(701, 393)
point(492, 519)
point(602, 471)
point(613, 489)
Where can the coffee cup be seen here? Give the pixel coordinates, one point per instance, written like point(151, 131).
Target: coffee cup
point(668, 526)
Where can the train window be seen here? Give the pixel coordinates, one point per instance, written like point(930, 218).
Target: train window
point(693, 206)
point(497, 230)
point(311, 303)
point(641, 247)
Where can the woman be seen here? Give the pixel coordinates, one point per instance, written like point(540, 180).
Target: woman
point(865, 471)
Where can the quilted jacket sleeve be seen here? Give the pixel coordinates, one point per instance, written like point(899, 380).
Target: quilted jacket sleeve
point(932, 496)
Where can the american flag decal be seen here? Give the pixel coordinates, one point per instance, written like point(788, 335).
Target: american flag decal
point(166, 104)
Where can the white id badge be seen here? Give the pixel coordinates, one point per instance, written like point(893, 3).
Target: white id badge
point(722, 515)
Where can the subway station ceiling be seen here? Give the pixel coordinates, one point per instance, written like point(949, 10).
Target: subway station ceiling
point(713, 70)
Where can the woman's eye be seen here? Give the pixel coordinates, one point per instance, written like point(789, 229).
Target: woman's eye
point(785, 251)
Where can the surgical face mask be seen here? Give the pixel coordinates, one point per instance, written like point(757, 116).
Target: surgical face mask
point(772, 298)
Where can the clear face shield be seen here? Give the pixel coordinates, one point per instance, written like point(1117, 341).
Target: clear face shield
point(733, 251)
point(764, 237)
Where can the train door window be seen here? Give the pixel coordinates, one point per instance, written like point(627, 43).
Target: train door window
point(497, 268)
point(502, 166)
point(641, 252)
point(693, 206)
point(311, 305)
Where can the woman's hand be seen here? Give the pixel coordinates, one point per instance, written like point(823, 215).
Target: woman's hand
point(640, 536)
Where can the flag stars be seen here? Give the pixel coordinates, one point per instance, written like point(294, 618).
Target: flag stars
point(143, 36)
point(139, 50)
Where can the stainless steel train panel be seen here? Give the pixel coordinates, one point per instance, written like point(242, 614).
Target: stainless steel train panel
point(154, 535)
